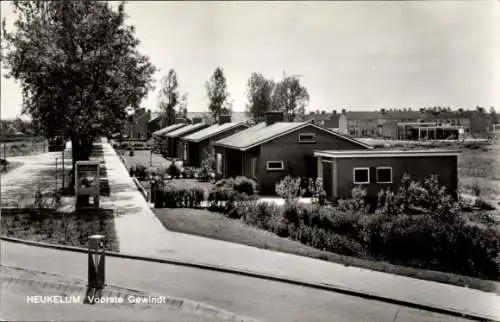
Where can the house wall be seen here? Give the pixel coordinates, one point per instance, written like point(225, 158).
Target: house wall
point(298, 158)
point(419, 168)
point(193, 157)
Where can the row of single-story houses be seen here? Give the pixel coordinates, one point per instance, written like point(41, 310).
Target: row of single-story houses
point(270, 150)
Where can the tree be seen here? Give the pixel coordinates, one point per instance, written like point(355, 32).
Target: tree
point(169, 97)
point(493, 115)
point(259, 96)
point(79, 68)
point(291, 97)
point(218, 94)
point(183, 102)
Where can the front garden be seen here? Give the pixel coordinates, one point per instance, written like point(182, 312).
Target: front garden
point(38, 208)
point(419, 226)
point(41, 220)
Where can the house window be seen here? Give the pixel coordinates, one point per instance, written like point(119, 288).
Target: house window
point(275, 165)
point(253, 167)
point(384, 175)
point(361, 175)
point(307, 138)
point(218, 163)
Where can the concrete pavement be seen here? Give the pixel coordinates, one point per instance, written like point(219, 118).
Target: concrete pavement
point(140, 232)
point(25, 291)
point(251, 297)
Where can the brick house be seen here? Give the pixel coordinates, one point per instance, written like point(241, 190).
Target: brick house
point(199, 145)
point(375, 169)
point(326, 120)
point(271, 150)
point(396, 124)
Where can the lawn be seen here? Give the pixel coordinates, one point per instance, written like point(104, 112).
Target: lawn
point(214, 225)
point(143, 157)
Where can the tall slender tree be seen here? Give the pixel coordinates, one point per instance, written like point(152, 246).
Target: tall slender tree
point(169, 97)
point(291, 97)
point(259, 96)
point(218, 95)
point(79, 68)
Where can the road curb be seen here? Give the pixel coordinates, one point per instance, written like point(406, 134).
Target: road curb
point(80, 290)
point(271, 277)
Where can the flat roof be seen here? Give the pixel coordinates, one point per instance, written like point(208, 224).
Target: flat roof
point(385, 153)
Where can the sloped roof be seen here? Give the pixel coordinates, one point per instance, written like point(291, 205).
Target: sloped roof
point(261, 133)
point(211, 131)
point(235, 116)
point(168, 129)
point(185, 129)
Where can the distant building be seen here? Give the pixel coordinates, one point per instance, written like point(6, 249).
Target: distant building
point(406, 123)
point(136, 127)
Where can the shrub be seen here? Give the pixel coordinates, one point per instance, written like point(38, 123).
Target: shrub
point(173, 170)
point(289, 188)
point(141, 172)
point(317, 191)
point(356, 204)
point(412, 198)
point(131, 172)
point(131, 152)
point(476, 189)
point(484, 204)
point(172, 197)
point(4, 164)
point(260, 214)
point(244, 185)
point(227, 193)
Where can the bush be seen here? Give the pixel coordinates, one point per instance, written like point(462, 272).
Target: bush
point(131, 172)
point(483, 204)
point(260, 214)
point(141, 172)
point(289, 188)
point(245, 185)
point(227, 193)
point(173, 170)
point(172, 197)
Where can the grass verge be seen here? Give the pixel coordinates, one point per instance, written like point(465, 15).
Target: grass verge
point(51, 227)
point(213, 225)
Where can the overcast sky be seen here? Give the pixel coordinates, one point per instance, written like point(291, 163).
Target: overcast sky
point(353, 55)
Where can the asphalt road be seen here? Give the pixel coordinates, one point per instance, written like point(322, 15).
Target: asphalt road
point(257, 298)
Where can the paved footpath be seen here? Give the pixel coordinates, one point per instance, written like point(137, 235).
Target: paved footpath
point(140, 232)
point(260, 299)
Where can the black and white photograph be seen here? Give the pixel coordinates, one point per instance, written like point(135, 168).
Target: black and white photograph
point(280, 161)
